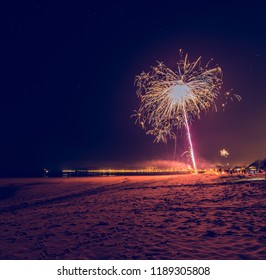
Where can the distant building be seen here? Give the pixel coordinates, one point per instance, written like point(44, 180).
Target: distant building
point(239, 169)
point(251, 169)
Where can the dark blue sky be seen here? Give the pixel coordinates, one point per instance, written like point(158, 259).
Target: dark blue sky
point(67, 79)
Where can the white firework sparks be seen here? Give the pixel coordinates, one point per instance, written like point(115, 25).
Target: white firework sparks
point(172, 99)
point(224, 153)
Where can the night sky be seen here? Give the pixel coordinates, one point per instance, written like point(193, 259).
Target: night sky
point(67, 80)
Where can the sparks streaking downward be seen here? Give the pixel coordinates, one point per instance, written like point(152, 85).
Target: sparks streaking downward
point(171, 99)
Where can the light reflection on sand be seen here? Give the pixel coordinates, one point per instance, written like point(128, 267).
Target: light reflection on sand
point(139, 217)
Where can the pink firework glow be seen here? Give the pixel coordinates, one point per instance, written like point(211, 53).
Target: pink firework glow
point(170, 100)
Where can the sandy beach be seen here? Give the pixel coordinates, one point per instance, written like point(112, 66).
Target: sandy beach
point(204, 216)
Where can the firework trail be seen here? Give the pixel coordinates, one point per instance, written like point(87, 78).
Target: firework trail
point(171, 99)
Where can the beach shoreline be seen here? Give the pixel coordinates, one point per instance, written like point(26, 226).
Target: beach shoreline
point(204, 216)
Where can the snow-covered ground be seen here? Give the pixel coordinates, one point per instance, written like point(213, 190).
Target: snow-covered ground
point(203, 216)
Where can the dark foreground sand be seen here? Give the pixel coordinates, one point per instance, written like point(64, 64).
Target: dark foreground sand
point(161, 217)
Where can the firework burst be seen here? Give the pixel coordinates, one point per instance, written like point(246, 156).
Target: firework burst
point(224, 153)
point(171, 99)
